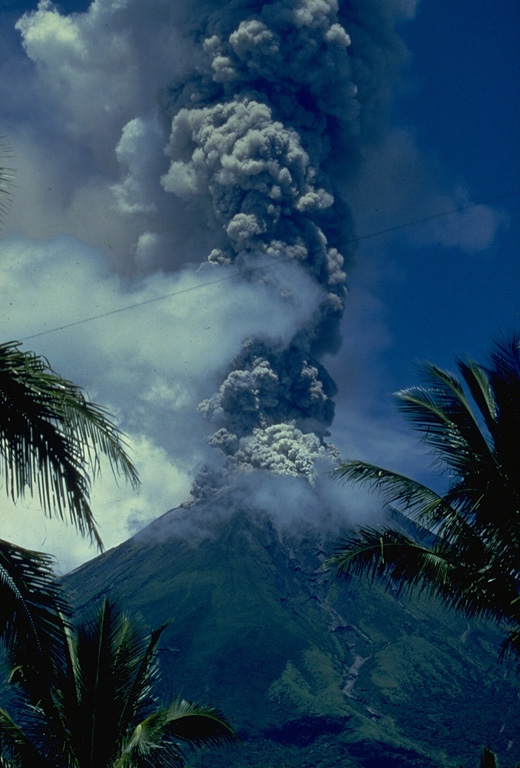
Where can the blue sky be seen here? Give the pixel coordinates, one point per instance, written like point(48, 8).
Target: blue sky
point(465, 111)
point(460, 101)
point(429, 290)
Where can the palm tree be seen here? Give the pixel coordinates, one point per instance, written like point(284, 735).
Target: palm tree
point(99, 710)
point(467, 551)
point(51, 443)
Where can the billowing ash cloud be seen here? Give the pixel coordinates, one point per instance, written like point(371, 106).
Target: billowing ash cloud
point(251, 150)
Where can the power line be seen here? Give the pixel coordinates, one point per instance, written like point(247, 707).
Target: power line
point(435, 216)
point(238, 273)
point(127, 307)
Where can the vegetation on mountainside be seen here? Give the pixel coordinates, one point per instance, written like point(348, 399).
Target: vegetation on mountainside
point(255, 611)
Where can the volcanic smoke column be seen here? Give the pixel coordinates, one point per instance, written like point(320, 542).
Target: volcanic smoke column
point(250, 144)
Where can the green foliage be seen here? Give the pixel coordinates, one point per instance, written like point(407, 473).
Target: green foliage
point(276, 640)
point(99, 708)
point(51, 443)
point(52, 438)
point(33, 609)
point(467, 551)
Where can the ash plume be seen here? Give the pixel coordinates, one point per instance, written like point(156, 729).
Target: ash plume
point(254, 134)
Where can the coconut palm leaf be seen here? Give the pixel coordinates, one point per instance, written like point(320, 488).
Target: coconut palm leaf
point(197, 725)
point(397, 559)
point(441, 412)
point(419, 502)
point(18, 745)
point(511, 645)
point(468, 584)
point(98, 689)
point(33, 609)
point(393, 487)
point(141, 693)
point(471, 560)
point(51, 443)
point(160, 741)
point(100, 710)
point(51, 439)
point(144, 743)
point(391, 555)
point(480, 389)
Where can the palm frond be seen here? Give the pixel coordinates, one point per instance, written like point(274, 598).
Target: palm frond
point(99, 709)
point(480, 389)
point(504, 377)
point(140, 695)
point(440, 411)
point(162, 738)
point(19, 748)
point(51, 437)
point(146, 745)
point(107, 650)
point(395, 489)
point(511, 645)
point(441, 571)
point(33, 608)
point(473, 564)
point(392, 556)
point(198, 725)
point(414, 499)
point(107, 686)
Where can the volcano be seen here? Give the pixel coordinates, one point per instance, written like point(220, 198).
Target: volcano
point(309, 671)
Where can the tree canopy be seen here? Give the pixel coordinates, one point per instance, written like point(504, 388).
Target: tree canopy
point(98, 707)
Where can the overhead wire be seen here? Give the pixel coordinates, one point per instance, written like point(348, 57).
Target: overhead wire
point(264, 267)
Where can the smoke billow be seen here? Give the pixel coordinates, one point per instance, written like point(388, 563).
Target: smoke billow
point(251, 148)
point(186, 145)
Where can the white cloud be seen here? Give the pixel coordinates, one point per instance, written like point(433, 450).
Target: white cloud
point(140, 145)
point(119, 509)
point(150, 365)
point(95, 66)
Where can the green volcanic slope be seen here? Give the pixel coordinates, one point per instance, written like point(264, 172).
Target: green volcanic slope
point(312, 673)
